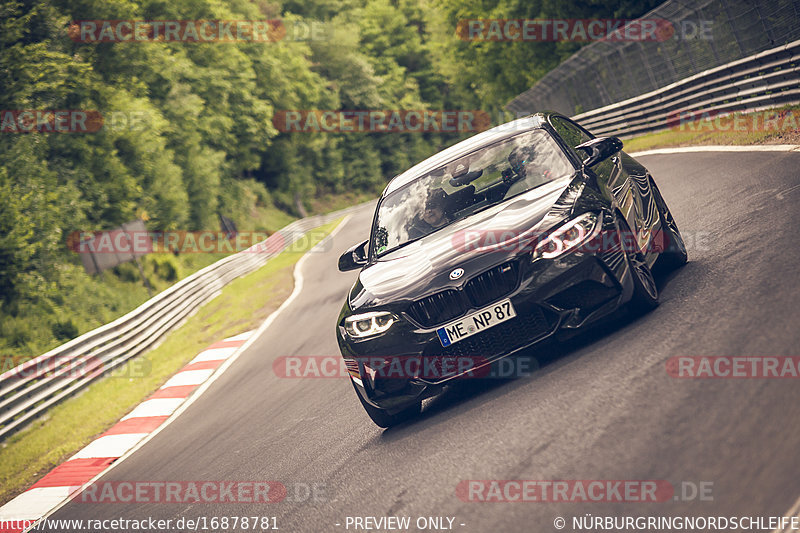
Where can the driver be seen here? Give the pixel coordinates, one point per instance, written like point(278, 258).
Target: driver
point(432, 217)
point(518, 161)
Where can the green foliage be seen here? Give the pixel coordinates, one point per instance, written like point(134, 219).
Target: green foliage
point(127, 272)
point(188, 132)
point(166, 267)
point(64, 330)
point(490, 73)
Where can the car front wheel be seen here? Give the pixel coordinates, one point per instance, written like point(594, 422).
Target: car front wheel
point(645, 291)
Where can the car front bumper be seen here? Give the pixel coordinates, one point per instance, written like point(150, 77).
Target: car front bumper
point(562, 293)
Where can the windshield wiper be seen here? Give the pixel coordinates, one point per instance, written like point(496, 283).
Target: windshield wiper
point(386, 252)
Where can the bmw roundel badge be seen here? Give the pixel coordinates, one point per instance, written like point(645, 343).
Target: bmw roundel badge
point(457, 273)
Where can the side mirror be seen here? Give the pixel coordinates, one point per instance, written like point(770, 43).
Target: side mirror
point(599, 149)
point(354, 257)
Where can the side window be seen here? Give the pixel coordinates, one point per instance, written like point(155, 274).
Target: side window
point(572, 134)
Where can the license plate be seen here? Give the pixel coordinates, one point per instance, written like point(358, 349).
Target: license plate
point(476, 322)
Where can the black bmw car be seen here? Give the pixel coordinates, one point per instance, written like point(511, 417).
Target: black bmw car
point(491, 246)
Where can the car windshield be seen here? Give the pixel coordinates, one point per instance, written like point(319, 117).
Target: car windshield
point(467, 185)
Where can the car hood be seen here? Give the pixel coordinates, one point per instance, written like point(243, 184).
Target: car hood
point(424, 266)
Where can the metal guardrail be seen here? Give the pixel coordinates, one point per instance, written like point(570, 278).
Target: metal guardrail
point(31, 388)
point(608, 71)
point(767, 79)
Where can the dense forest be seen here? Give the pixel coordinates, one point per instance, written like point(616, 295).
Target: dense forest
point(204, 142)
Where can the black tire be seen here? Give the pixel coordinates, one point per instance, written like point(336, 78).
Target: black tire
point(645, 290)
point(383, 418)
point(674, 255)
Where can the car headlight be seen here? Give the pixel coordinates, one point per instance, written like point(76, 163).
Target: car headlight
point(567, 237)
point(368, 324)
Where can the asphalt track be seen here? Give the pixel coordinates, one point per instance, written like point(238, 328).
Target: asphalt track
point(601, 406)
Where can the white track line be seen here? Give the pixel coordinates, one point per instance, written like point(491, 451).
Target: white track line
point(214, 354)
point(36, 502)
point(721, 148)
point(154, 407)
point(109, 446)
point(298, 287)
point(188, 377)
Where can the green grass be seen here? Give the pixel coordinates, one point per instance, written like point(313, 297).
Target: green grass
point(78, 302)
point(706, 133)
point(73, 302)
point(65, 429)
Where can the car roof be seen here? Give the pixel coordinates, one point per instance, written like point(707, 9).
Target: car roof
point(509, 129)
